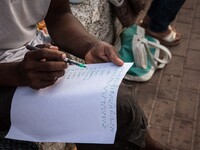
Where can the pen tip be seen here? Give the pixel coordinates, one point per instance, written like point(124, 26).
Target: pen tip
point(83, 66)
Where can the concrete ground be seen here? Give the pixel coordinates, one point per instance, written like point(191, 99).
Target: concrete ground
point(171, 99)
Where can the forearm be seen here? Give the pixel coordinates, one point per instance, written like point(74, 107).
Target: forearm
point(10, 75)
point(69, 34)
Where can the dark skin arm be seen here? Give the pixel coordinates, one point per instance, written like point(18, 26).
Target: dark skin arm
point(69, 34)
point(66, 31)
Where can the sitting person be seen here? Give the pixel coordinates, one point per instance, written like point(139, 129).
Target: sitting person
point(42, 68)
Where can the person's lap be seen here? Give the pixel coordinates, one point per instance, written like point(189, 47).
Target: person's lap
point(131, 122)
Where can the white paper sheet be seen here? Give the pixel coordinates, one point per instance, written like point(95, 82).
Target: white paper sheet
point(79, 108)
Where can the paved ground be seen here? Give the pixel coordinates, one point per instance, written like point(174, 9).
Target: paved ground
point(171, 99)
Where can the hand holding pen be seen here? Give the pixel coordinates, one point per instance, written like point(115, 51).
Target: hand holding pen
point(70, 61)
point(41, 68)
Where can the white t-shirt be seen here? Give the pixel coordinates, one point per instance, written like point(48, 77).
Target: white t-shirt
point(18, 21)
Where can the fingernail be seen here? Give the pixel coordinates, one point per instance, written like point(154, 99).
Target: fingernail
point(53, 47)
point(64, 56)
point(120, 61)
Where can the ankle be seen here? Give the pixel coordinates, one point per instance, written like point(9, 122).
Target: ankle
point(160, 34)
point(145, 22)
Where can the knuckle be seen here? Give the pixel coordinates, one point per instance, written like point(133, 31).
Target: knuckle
point(29, 75)
point(28, 54)
point(51, 75)
point(32, 83)
point(44, 53)
point(48, 65)
point(62, 73)
point(64, 65)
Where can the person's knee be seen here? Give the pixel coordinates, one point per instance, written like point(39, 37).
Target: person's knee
point(128, 109)
point(131, 121)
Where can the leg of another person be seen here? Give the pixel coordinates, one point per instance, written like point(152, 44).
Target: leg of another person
point(127, 11)
point(131, 124)
point(162, 13)
point(132, 131)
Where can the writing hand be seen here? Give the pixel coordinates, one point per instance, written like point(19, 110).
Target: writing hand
point(42, 68)
point(103, 52)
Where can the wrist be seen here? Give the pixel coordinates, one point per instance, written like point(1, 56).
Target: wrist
point(10, 74)
point(90, 47)
point(19, 74)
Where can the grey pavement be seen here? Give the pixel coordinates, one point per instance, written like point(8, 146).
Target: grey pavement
point(171, 99)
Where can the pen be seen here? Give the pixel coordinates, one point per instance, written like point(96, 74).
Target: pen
point(70, 61)
point(74, 62)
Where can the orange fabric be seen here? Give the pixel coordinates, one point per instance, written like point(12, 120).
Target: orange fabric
point(42, 26)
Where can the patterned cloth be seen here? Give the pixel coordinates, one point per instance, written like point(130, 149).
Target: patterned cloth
point(7, 144)
point(97, 18)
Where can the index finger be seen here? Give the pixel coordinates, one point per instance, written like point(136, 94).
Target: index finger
point(47, 54)
point(47, 46)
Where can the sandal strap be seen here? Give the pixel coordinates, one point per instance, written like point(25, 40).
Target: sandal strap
point(170, 37)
